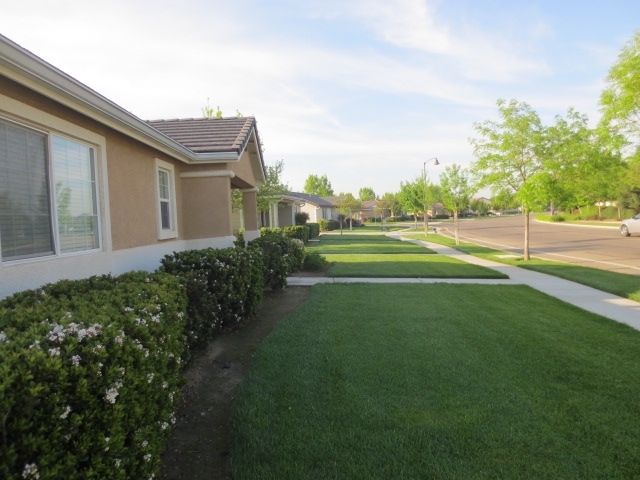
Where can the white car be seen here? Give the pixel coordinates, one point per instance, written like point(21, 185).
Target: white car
point(630, 225)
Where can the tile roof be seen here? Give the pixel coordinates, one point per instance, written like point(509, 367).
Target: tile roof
point(208, 135)
point(314, 199)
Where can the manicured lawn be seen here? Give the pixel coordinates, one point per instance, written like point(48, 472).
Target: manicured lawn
point(361, 243)
point(407, 265)
point(623, 285)
point(440, 381)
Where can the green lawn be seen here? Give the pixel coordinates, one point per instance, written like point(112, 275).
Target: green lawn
point(623, 285)
point(406, 266)
point(440, 381)
point(365, 244)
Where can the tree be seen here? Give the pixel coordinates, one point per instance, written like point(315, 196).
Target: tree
point(510, 156)
point(411, 197)
point(318, 185)
point(366, 193)
point(456, 192)
point(346, 206)
point(393, 202)
point(273, 188)
point(620, 101)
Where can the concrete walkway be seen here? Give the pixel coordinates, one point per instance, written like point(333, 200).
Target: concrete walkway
point(611, 306)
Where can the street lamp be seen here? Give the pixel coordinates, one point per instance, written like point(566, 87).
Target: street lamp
point(424, 183)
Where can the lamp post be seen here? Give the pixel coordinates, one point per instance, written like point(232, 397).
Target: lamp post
point(424, 184)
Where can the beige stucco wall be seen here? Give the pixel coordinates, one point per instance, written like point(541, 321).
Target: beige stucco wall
point(203, 205)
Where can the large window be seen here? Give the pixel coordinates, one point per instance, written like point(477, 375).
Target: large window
point(48, 203)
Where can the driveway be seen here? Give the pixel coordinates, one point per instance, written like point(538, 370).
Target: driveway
point(591, 246)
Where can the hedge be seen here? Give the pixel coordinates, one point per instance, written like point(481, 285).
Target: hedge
point(276, 247)
point(90, 376)
point(314, 229)
point(224, 287)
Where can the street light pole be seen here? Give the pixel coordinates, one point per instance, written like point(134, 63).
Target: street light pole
point(424, 185)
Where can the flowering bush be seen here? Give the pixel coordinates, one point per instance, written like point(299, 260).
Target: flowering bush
point(282, 255)
point(90, 376)
point(224, 286)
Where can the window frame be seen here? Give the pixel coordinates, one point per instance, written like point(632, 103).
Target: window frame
point(169, 169)
point(29, 118)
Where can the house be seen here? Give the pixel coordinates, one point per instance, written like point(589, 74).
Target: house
point(317, 207)
point(88, 188)
point(282, 212)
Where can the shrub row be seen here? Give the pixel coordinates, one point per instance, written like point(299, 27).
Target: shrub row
point(314, 229)
point(90, 375)
point(90, 370)
point(224, 286)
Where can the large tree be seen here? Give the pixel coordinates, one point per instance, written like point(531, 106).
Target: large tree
point(620, 100)
point(366, 193)
point(456, 192)
point(510, 154)
point(318, 185)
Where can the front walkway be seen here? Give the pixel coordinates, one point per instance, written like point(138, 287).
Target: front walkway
point(611, 306)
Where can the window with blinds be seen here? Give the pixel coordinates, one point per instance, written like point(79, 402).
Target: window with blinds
point(33, 222)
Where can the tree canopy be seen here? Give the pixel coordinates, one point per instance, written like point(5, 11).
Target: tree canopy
point(456, 192)
point(273, 187)
point(318, 185)
point(366, 194)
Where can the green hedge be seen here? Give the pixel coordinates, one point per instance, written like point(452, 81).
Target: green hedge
point(276, 247)
point(314, 229)
point(301, 232)
point(90, 376)
point(224, 286)
point(328, 225)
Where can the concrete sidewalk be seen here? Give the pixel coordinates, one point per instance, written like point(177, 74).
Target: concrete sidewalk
point(611, 306)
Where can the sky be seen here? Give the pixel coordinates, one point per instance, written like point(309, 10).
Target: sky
point(367, 92)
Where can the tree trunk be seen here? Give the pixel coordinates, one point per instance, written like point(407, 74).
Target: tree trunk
point(415, 219)
point(426, 222)
point(455, 226)
point(526, 235)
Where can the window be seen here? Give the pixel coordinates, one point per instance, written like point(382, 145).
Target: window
point(48, 203)
point(165, 183)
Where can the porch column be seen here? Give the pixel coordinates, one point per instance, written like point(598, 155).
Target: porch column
point(250, 211)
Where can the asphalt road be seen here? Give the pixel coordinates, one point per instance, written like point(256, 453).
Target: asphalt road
point(592, 246)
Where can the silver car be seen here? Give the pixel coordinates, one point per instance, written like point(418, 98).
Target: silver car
point(630, 225)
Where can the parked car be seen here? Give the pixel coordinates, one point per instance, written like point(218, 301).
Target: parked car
point(630, 225)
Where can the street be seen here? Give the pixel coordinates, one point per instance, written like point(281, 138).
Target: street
point(591, 246)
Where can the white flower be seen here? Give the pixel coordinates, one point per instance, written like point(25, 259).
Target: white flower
point(147, 457)
point(144, 444)
point(149, 377)
point(30, 471)
point(35, 344)
point(57, 334)
point(3, 337)
point(75, 360)
point(110, 395)
point(117, 462)
point(54, 352)
point(66, 412)
point(165, 384)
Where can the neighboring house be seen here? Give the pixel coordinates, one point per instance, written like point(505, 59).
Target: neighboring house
point(370, 210)
point(282, 212)
point(317, 207)
point(87, 188)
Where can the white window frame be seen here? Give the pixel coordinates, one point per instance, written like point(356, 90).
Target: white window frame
point(169, 169)
point(46, 128)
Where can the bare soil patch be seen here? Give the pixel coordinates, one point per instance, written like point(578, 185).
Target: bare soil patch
point(199, 446)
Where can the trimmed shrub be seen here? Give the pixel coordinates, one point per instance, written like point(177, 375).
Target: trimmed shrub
point(301, 232)
point(268, 231)
point(224, 286)
point(301, 218)
point(313, 262)
point(90, 376)
point(328, 225)
point(282, 256)
point(314, 229)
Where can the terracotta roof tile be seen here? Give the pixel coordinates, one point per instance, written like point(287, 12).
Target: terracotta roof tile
point(208, 135)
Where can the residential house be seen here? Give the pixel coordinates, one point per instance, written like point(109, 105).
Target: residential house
point(317, 207)
point(88, 188)
point(282, 212)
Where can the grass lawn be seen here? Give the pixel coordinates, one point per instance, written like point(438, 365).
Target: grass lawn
point(406, 266)
point(366, 244)
point(440, 381)
point(623, 285)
